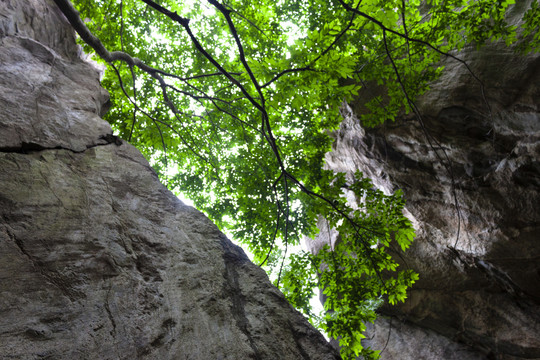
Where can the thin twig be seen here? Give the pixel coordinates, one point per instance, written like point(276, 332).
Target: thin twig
point(412, 105)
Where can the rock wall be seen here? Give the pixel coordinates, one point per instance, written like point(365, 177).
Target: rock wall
point(97, 259)
point(479, 293)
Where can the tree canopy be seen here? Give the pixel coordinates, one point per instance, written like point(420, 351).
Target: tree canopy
point(234, 101)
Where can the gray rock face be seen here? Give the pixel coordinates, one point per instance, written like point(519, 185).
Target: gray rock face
point(97, 259)
point(50, 98)
point(479, 294)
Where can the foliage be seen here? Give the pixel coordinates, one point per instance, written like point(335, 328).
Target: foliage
point(238, 97)
point(351, 273)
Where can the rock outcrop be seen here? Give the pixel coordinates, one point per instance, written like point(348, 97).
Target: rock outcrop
point(97, 259)
point(479, 291)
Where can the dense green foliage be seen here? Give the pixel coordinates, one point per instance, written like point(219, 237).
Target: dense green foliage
point(237, 115)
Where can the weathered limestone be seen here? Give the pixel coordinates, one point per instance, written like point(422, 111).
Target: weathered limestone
point(97, 259)
point(479, 295)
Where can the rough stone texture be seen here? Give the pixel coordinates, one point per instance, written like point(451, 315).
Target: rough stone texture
point(479, 295)
point(50, 99)
point(97, 259)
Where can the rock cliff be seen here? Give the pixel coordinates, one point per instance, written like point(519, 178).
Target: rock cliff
point(97, 259)
point(479, 291)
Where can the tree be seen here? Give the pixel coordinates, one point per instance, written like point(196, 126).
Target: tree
point(239, 97)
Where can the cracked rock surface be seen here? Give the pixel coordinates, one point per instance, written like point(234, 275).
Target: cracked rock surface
point(479, 295)
point(97, 259)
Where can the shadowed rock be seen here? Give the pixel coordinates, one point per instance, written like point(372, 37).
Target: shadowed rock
point(479, 295)
point(98, 260)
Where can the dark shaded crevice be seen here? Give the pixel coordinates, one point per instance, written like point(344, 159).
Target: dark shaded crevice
point(474, 341)
point(31, 147)
point(492, 273)
point(52, 277)
point(164, 338)
point(296, 337)
point(22, 249)
point(497, 282)
point(500, 277)
point(233, 258)
point(109, 313)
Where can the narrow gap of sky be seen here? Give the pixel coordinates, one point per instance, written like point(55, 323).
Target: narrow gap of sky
point(293, 33)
